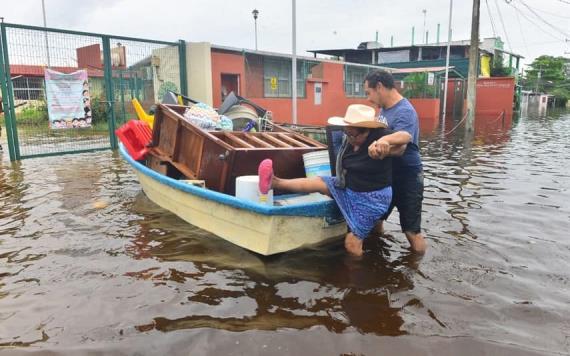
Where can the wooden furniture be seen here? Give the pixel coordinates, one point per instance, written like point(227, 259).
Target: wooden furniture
point(218, 157)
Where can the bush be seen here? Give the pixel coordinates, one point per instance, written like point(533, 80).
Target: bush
point(98, 109)
point(35, 114)
point(416, 86)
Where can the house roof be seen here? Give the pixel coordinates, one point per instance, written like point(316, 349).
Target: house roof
point(38, 71)
point(419, 69)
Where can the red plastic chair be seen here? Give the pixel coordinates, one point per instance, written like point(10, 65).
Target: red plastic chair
point(136, 135)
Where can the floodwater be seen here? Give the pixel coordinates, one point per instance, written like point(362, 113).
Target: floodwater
point(89, 265)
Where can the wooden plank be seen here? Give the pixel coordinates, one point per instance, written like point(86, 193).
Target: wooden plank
point(275, 140)
point(177, 141)
point(309, 141)
point(258, 141)
point(181, 167)
point(238, 140)
point(291, 140)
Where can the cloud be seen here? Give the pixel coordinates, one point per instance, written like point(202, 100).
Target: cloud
point(320, 25)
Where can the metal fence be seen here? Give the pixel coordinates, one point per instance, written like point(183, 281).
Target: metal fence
point(119, 69)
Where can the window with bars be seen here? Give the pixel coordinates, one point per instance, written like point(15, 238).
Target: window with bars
point(354, 81)
point(28, 88)
point(277, 78)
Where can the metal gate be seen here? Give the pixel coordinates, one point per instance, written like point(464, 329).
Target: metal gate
point(119, 69)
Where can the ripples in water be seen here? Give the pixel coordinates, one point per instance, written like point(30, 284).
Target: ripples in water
point(87, 262)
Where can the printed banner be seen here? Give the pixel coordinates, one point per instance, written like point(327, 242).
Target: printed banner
point(68, 100)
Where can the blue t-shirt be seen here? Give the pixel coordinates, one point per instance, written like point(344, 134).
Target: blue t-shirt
point(403, 117)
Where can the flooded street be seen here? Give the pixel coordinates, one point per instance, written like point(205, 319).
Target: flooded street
point(89, 264)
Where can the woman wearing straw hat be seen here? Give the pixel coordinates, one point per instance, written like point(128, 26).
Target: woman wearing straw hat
point(362, 188)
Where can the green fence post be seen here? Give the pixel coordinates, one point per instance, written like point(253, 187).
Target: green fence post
point(6, 105)
point(108, 74)
point(9, 111)
point(122, 89)
point(182, 66)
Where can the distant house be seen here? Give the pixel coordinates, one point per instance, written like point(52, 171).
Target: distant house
point(424, 56)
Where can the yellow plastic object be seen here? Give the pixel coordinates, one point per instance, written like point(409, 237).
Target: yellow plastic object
point(142, 115)
point(485, 66)
point(180, 101)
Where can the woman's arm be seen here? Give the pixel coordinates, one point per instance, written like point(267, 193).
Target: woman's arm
point(389, 145)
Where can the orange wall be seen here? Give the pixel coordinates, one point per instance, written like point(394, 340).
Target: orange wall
point(426, 108)
point(495, 95)
point(334, 102)
point(225, 63)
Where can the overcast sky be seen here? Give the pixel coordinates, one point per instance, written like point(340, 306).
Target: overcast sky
point(320, 24)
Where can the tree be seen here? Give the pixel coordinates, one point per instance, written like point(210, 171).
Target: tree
point(498, 68)
point(416, 86)
point(547, 74)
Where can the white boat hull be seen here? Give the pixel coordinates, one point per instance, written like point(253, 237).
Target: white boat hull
point(263, 234)
point(264, 231)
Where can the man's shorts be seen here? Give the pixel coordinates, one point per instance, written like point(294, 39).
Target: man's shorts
point(408, 194)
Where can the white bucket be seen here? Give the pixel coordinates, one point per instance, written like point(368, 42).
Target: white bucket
point(247, 188)
point(317, 164)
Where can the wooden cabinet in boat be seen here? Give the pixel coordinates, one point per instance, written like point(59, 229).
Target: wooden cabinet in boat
point(218, 157)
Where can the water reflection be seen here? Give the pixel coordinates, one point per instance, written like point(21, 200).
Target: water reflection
point(232, 289)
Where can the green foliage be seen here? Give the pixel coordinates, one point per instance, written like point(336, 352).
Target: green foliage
point(498, 68)
point(165, 87)
point(547, 74)
point(33, 114)
point(416, 86)
point(98, 109)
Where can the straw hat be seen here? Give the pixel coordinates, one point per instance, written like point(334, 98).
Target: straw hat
point(358, 115)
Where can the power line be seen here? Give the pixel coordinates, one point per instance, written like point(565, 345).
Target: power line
point(564, 2)
point(543, 20)
point(491, 18)
point(550, 13)
point(522, 34)
point(534, 23)
point(503, 24)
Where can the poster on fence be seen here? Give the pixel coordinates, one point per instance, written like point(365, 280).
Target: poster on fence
point(68, 100)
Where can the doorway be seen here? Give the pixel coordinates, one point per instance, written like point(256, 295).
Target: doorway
point(230, 82)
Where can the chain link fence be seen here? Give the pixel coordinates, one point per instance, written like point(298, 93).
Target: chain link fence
point(119, 69)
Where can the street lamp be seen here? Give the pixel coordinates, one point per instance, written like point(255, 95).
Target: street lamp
point(255, 12)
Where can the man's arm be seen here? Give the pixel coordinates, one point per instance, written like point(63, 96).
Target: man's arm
point(393, 144)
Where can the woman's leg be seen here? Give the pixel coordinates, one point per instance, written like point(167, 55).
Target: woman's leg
point(353, 244)
point(301, 185)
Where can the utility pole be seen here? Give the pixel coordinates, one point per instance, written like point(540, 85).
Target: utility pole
point(255, 14)
point(45, 34)
point(447, 66)
point(437, 40)
point(473, 67)
point(538, 76)
point(294, 63)
point(424, 31)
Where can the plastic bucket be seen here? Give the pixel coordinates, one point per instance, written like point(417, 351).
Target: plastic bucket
point(317, 164)
point(247, 188)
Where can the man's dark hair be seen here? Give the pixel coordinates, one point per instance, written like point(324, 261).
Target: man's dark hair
point(380, 76)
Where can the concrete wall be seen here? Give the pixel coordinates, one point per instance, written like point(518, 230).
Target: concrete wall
point(166, 71)
point(199, 69)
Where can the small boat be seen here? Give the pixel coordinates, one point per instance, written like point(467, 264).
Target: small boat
point(293, 221)
point(263, 229)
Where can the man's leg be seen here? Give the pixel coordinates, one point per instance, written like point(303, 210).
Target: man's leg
point(409, 206)
point(417, 242)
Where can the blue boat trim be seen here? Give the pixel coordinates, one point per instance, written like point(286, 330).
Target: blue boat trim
point(315, 209)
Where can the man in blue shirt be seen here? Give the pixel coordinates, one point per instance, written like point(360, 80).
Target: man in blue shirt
point(400, 116)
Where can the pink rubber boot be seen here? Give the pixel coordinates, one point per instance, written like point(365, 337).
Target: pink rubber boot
point(265, 172)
